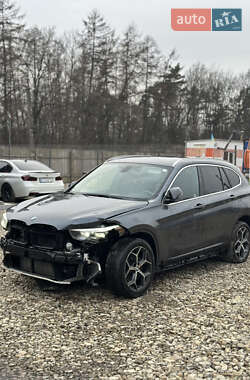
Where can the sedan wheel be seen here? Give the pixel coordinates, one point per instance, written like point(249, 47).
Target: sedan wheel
point(130, 267)
point(7, 194)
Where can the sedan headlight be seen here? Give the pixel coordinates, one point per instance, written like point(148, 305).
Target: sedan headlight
point(4, 221)
point(96, 234)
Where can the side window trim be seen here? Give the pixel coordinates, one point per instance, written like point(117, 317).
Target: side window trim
point(206, 195)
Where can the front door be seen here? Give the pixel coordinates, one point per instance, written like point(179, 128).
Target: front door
point(178, 228)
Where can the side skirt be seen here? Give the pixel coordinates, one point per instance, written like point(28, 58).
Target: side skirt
point(192, 257)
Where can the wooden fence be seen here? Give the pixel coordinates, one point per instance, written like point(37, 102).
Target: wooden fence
point(71, 163)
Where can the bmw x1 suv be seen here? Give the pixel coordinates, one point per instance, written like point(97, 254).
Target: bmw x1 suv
point(128, 219)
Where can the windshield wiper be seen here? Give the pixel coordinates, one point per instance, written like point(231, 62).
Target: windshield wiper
point(120, 197)
point(96, 195)
point(106, 196)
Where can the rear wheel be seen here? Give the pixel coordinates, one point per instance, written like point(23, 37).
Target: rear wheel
point(7, 193)
point(130, 267)
point(240, 244)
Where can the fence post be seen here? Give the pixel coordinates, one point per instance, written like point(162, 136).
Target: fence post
point(50, 158)
point(235, 155)
point(70, 165)
point(97, 157)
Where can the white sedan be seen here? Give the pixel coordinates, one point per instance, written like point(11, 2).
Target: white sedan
point(24, 178)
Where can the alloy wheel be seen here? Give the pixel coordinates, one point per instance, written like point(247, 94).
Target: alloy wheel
point(7, 194)
point(138, 268)
point(241, 244)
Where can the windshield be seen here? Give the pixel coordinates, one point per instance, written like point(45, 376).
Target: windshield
point(123, 180)
point(30, 165)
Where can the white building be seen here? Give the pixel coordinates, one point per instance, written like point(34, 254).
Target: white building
point(214, 148)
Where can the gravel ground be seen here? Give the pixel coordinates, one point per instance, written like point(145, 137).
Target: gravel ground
point(193, 323)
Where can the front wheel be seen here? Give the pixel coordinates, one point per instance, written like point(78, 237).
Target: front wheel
point(240, 244)
point(130, 267)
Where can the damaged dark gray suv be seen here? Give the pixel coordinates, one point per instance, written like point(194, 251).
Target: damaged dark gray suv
point(128, 219)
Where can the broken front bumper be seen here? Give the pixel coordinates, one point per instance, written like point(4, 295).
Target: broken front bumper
point(61, 267)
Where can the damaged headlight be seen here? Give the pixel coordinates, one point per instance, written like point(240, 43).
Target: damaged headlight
point(4, 221)
point(96, 234)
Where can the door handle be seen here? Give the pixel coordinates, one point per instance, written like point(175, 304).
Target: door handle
point(200, 206)
point(232, 195)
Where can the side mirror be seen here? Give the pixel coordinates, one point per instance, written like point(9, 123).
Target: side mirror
point(173, 195)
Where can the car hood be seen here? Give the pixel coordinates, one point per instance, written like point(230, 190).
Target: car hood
point(63, 210)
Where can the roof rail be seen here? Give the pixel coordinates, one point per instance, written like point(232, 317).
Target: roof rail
point(129, 156)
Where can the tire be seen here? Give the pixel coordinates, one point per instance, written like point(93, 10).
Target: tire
point(7, 194)
point(240, 244)
point(129, 268)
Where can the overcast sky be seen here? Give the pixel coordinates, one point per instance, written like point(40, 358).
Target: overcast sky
point(225, 50)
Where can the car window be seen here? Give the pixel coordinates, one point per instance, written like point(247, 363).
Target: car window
point(5, 167)
point(234, 179)
point(30, 165)
point(188, 181)
point(2, 164)
point(225, 181)
point(124, 180)
point(212, 181)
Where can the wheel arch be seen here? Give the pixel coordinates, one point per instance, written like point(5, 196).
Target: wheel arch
point(8, 184)
point(246, 219)
point(2, 185)
point(148, 237)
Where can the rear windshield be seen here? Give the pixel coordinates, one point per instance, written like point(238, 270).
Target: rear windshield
point(30, 165)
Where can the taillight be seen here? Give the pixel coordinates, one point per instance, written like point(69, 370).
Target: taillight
point(59, 178)
point(28, 178)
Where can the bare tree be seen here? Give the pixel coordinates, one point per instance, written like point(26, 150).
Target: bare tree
point(150, 65)
point(10, 29)
point(36, 58)
point(93, 86)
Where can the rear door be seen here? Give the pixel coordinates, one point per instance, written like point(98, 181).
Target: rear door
point(216, 216)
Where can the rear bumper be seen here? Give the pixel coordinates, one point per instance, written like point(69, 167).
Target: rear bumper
point(24, 189)
point(60, 267)
point(46, 189)
point(36, 190)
